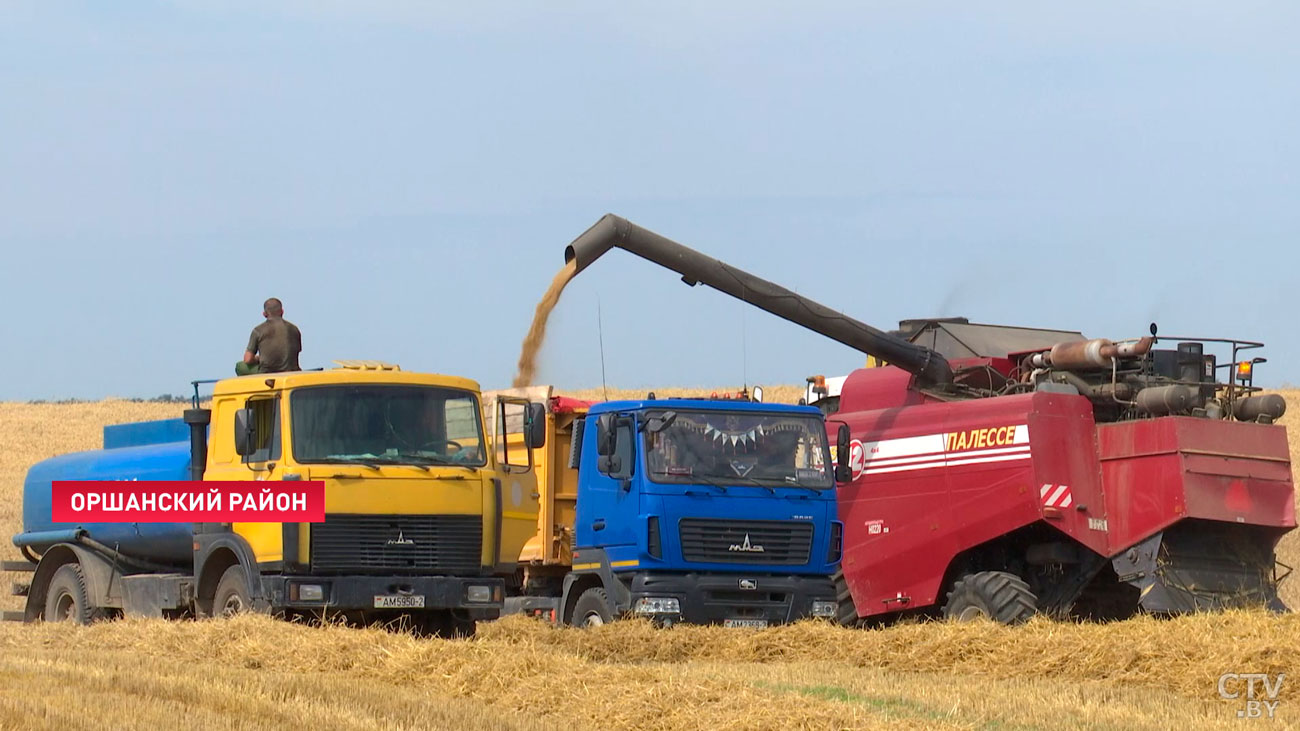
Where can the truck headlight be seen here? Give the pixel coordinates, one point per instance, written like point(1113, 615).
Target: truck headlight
point(657, 605)
point(475, 593)
point(306, 592)
point(823, 609)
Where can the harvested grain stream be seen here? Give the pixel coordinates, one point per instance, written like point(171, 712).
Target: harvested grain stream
point(536, 337)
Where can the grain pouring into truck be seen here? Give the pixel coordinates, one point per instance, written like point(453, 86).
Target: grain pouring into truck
point(536, 337)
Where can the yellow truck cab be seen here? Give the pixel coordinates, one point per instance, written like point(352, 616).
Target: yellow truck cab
point(422, 516)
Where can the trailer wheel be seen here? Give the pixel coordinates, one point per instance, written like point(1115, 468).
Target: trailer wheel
point(232, 596)
point(846, 612)
point(592, 608)
point(66, 599)
point(996, 595)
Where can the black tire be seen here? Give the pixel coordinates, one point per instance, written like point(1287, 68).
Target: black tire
point(846, 612)
point(442, 623)
point(592, 609)
point(232, 596)
point(66, 598)
point(457, 628)
point(997, 595)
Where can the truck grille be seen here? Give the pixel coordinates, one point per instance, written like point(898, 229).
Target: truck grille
point(397, 543)
point(786, 542)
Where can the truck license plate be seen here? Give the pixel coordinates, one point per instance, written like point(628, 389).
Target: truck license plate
point(399, 601)
point(758, 623)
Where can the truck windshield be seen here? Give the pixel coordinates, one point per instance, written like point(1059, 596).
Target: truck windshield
point(382, 424)
point(748, 448)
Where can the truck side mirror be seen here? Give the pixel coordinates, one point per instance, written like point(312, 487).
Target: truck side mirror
point(606, 438)
point(658, 423)
point(610, 465)
point(757, 396)
point(609, 461)
point(536, 426)
point(245, 432)
point(843, 448)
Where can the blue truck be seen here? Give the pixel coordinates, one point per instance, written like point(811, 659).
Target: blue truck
point(681, 510)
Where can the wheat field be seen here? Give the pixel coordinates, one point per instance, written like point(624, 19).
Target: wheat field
point(254, 672)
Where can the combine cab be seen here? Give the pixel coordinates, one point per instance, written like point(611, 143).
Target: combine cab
point(1004, 471)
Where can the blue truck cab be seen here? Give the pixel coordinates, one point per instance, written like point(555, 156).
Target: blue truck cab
point(702, 511)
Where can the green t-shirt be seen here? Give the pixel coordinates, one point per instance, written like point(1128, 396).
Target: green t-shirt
point(277, 344)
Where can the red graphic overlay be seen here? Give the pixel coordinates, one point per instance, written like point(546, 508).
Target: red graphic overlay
point(76, 501)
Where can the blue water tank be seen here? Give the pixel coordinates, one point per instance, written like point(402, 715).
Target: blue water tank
point(139, 453)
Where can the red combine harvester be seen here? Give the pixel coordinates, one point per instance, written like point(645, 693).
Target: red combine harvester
point(1038, 471)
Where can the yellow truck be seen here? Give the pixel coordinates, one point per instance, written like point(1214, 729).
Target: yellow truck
point(547, 551)
point(423, 517)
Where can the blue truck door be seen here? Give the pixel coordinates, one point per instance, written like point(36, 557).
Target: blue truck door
point(607, 512)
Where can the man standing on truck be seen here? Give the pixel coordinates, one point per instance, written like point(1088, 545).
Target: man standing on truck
point(274, 345)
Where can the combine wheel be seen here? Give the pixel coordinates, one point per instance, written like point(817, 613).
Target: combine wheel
point(997, 595)
point(233, 596)
point(846, 612)
point(67, 600)
point(592, 608)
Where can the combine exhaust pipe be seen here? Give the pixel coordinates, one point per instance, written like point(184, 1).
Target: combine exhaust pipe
point(612, 231)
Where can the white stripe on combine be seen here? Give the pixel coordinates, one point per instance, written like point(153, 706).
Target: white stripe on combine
point(1042, 492)
point(908, 459)
point(996, 458)
point(956, 462)
point(888, 461)
point(1066, 502)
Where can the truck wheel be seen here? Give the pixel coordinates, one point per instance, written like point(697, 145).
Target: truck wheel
point(997, 595)
point(444, 624)
point(846, 613)
point(592, 608)
point(66, 599)
point(456, 627)
point(232, 595)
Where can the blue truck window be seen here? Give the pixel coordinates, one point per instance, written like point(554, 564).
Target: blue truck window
point(625, 451)
point(770, 449)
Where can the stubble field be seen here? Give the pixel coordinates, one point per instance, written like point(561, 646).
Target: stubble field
point(254, 672)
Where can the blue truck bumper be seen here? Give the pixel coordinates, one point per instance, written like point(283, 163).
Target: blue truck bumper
point(716, 598)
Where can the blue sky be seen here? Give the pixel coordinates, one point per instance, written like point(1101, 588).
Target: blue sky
point(405, 178)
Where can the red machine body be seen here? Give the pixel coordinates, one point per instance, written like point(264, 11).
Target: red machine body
point(1003, 471)
point(934, 481)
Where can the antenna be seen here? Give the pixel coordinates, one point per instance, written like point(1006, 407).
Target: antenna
point(600, 334)
point(744, 344)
